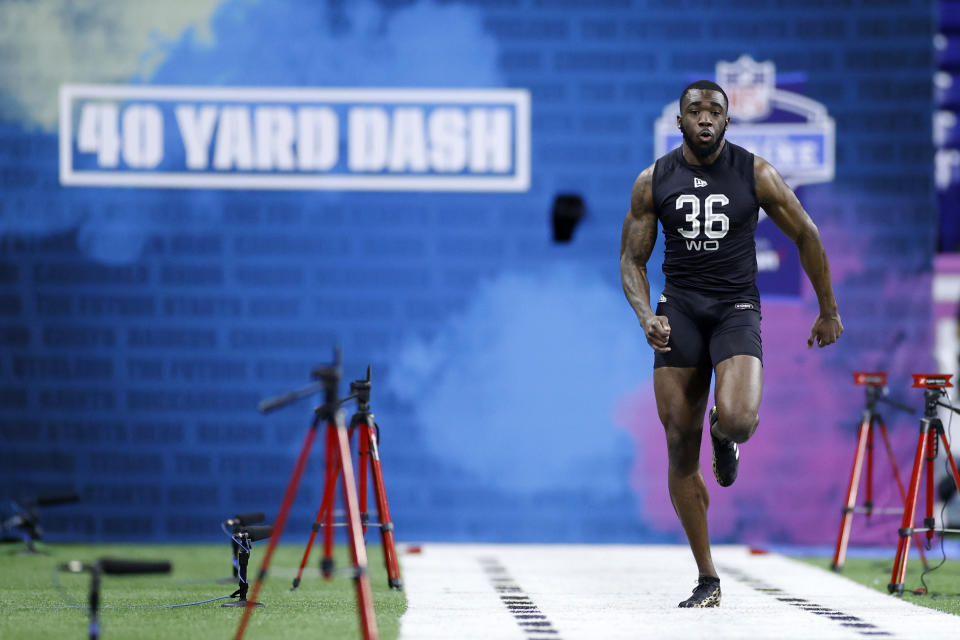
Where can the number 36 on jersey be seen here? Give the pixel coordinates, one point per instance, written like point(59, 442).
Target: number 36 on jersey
point(715, 223)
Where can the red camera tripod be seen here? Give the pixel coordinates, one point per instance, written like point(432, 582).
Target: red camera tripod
point(338, 451)
point(931, 428)
point(876, 390)
point(369, 457)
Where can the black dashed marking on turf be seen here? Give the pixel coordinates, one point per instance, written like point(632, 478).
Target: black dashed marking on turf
point(863, 627)
point(528, 616)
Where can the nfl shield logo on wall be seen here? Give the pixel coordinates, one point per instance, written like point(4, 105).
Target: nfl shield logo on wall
point(748, 84)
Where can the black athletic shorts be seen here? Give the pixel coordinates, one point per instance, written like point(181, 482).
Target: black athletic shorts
point(707, 329)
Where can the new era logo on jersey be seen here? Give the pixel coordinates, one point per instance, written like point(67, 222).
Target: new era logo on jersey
point(663, 298)
point(699, 182)
point(743, 305)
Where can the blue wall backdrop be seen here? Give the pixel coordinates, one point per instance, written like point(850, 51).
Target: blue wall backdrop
point(140, 325)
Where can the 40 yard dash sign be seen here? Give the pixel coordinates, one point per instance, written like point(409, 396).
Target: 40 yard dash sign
point(295, 138)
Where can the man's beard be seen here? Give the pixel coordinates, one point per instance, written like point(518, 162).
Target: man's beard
point(693, 143)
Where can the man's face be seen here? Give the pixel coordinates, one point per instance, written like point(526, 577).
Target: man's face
point(703, 121)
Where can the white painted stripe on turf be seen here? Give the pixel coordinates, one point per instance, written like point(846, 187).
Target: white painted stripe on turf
point(515, 599)
point(625, 592)
point(450, 596)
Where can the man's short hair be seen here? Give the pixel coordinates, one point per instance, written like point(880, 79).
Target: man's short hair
point(705, 85)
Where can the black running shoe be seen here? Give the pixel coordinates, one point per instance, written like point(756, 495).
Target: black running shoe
point(726, 455)
point(706, 594)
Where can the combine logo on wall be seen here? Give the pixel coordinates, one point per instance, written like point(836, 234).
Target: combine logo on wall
point(794, 133)
point(276, 138)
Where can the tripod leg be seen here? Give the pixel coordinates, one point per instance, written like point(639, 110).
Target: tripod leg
point(306, 551)
point(928, 521)
point(903, 495)
point(241, 592)
point(278, 526)
point(94, 606)
point(953, 463)
point(846, 522)
point(243, 559)
point(368, 622)
point(330, 500)
point(383, 510)
point(869, 497)
point(329, 484)
point(903, 545)
point(363, 450)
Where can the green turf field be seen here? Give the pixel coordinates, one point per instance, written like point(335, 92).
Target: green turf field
point(943, 583)
point(33, 594)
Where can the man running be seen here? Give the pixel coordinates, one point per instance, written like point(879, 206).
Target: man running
point(707, 195)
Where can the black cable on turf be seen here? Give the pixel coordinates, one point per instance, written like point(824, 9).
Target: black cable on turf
point(943, 559)
point(169, 606)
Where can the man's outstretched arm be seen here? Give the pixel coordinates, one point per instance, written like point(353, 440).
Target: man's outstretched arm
point(636, 244)
point(783, 207)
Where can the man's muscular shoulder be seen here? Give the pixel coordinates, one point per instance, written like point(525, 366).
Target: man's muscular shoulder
point(768, 183)
point(641, 197)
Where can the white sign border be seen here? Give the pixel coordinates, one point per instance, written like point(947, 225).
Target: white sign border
point(518, 182)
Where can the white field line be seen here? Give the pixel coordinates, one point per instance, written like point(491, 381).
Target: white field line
point(587, 592)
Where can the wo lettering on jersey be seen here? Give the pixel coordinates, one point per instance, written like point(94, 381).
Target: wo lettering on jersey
point(716, 224)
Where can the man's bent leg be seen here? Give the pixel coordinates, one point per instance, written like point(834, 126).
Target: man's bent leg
point(681, 402)
point(738, 390)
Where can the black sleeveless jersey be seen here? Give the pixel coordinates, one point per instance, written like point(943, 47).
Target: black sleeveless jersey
point(709, 215)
